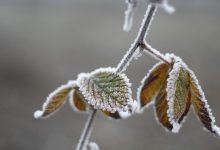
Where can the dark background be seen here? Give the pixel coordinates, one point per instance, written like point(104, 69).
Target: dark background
point(45, 43)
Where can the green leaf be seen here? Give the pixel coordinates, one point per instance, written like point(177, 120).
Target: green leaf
point(106, 90)
point(178, 94)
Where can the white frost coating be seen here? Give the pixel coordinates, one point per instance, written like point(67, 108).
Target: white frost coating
point(38, 114)
point(167, 7)
point(134, 108)
point(155, 53)
point(139, 110)
point(128, 57)
point(173, 75)
point(164, 4)
point(93, 146)
point(138, 53)
point(215, 128)
point(129, 14)
point(170, 92)
point(98, 102)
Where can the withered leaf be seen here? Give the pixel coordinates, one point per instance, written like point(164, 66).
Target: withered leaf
point(161, 108)
point(201, 107)
point(54, 101)
point(152, 83)
point(77, 101)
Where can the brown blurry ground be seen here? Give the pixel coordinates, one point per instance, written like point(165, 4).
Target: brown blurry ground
point(44, 43)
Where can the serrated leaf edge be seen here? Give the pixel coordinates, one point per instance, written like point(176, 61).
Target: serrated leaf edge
point(91, 100)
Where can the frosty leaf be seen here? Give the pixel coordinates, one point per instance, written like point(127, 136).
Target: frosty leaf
point(77, 101)
point(151, 84)
point(201, 106)
point(54, 101)
point(161, 108)
point(106, 90)
point(178, 94)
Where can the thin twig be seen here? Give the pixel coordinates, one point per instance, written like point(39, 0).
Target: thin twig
point(139, 39)
point(139, 43)
point(155, 53)
point(84, 139)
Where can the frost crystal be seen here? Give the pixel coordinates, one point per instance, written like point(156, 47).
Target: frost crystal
point(129, 14)
point(106, 90)
point(164, 4)
point(93, 146)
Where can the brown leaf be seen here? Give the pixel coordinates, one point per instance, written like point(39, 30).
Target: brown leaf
point(152, 83)
point(77, 101)
point(54, 101)
point(161, 108)
point(114, 115)
point(201, 107)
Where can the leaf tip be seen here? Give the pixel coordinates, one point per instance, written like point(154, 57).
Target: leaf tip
point(38, 114)
point(176, 127)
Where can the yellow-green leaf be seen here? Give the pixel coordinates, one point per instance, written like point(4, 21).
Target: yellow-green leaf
point(178, 94)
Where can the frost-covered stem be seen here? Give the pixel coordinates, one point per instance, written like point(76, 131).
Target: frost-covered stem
point(155, 53)
point(84, 139)
point(140, 37)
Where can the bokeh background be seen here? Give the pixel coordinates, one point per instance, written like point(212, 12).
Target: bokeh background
point(45, 43)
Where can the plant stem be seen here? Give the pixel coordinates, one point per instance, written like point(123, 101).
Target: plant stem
point(155, 53)
point(139, 43)
point(84, 139)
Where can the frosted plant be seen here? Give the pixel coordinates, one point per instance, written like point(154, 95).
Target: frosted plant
point(173, 89)
point(170, 85)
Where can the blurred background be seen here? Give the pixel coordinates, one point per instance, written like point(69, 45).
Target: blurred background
point(45, 43)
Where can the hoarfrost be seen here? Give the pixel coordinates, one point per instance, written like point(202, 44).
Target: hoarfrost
point(214, 128)
point(39, 113)
point(173, 75)
point(93, 146)
point(164, 4)
point(129, 14)
point(98, 98)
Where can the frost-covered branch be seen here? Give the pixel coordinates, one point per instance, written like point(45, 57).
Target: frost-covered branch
point(155, 53)
point(139, 43)
point(129, 14)
point(84, 139)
